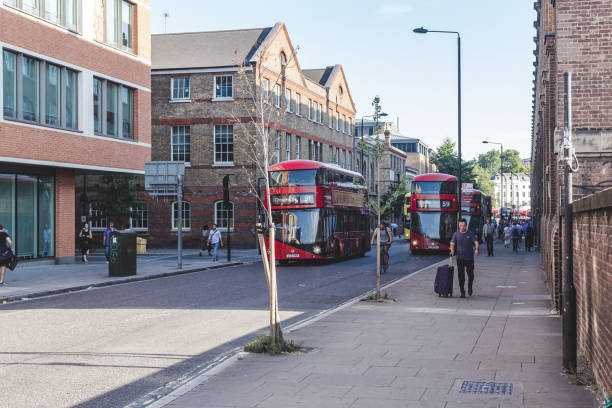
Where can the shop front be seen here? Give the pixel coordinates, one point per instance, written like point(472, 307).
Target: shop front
point(27, 211)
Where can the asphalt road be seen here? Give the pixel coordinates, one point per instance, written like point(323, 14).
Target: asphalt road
point(126, 344)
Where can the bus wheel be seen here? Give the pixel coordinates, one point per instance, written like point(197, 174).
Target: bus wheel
point(283, 262)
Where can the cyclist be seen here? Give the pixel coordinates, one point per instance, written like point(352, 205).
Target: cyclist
point(386, 238)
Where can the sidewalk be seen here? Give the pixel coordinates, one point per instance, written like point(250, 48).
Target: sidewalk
point(418, 352)
point(35, 279)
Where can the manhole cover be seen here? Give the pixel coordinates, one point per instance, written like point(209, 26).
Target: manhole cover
point(483, 387)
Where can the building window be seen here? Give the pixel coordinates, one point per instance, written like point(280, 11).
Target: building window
point(337, 116)
point(283, 59)
point(350, 126)
point(139, 218)
point(46, 92)
point(288, 146)
point(97, 218)
point(309, 109)
point(310, 150)
point(330, 158)
point(224, 86)
point(298, 141)
point(298, 102)
point(288, 100)
point(117, 103)
point(277, 146)
point(344, 164)
point(180, 88)
point(320, 113)
point(186, 215)
point(9, 81)
point(265, 90)
point(61, 12)
point(329, 118)
point(181, 144)
point(277, 95)
point(119, 24)
point(343, 123)
point(350, 160)
point(224, 217)
point(224, 144)
point(337, 157)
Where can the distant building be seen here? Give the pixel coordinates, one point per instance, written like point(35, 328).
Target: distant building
point(198, 83)
point(526, 163)
point(517, 190)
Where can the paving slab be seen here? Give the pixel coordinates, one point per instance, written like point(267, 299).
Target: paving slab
point(422, 351)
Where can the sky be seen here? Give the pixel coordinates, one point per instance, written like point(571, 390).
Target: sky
point(415, 75)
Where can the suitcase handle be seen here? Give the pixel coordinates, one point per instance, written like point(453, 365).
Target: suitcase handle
point(450, 261)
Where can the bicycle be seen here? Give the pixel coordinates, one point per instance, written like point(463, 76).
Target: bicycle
point(384, 256)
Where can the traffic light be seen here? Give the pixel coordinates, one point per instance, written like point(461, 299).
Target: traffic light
point(226, 191)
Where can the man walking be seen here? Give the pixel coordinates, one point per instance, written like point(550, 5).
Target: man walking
point(487, 236)
point(515, 232)
point(107, 232)
point(214, 240)
point(463, 243)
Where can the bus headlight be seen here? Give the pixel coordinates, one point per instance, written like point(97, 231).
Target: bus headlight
point(415, 242)
point(316, 250)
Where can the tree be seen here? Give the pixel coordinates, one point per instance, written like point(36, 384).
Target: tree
point(490, 161)
point(117, 198)
point(445, 158)
point(511, 162)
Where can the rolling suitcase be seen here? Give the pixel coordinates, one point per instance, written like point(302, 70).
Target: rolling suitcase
point(443, 285)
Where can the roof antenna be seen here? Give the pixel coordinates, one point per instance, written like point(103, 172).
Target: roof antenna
point(165, 14)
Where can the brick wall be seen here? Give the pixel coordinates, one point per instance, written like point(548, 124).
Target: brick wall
point(592, 228)
point(64, 215)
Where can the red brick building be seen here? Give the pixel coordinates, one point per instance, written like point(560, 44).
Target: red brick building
point(200, 82)
point(75, 101)
point(575, 37)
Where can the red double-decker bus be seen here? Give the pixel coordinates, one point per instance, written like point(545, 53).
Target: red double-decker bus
point(319, 211)
point(434, 209)
point(473, 208)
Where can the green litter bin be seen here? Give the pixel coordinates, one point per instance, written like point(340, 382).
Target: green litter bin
point(122, 257)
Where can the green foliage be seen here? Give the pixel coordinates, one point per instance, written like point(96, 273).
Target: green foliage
point(512, 162)
point(445, 158)
point(117, 197)
point(490, 161)
point(392, 202)
point(262, 345)
point(376, 116)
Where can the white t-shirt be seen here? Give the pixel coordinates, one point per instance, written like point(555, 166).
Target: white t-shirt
point(214, 236)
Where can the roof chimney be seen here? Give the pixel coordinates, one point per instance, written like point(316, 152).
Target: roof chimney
point(387, 138)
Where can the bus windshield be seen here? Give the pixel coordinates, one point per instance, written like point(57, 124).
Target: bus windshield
point(296, 227)
point(293, 178)
point(435, 187)
point(438, 226)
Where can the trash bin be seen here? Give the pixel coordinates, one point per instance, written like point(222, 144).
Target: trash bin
point(122, 259)
point(141, 246)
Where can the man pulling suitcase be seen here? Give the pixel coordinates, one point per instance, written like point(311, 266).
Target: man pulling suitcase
point(463, 243)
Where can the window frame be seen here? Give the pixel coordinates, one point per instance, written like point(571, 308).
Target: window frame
point(265, 90)
point(277, 146)
point(40, 89)
point(298, 104)
point(226, 152)
point(216, 217)
point(40, 12)
point(117, 42)
point(223, 98)
point(119, 106)
point(277, 96)
point(287, 146)
point(186, 220)
point(298, 141)
point(142, 214)
point(288, 99)
point(188, 88)
point(103, 220)
point(172, 144)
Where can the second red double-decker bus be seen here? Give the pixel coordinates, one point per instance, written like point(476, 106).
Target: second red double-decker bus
point(319, 211)
point(473, 210)
point(434, 210)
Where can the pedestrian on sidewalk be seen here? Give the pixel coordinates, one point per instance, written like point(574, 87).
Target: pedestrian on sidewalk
point(529, 234)
point(85, 236)
point(487, 236)
point(515, 232)
point(507, 236)
point(5, 244)
point(215, 240)
point(107, 232)
point(204, 244)
point(463, 243)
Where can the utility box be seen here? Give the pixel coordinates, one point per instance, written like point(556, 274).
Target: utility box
point(141, 246)
point(122, 257)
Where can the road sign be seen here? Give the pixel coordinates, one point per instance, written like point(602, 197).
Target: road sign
point(467, 186)
point(161, 177)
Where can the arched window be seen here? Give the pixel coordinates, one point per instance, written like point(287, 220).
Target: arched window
point(186, 215)
point(340, 90)
point(283, 59)
point(224, 217)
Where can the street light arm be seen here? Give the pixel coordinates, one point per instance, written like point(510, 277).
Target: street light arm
point(445, 32)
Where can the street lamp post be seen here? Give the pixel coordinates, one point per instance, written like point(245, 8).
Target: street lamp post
point(367, 116)
point(422, 30)
point(501, 172)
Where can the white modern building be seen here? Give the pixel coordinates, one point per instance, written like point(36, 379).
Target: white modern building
point(516, 190)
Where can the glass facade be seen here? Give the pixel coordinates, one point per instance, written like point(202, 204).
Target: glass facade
point(27, 211)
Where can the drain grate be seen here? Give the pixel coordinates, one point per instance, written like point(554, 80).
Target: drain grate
point(483, 387)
